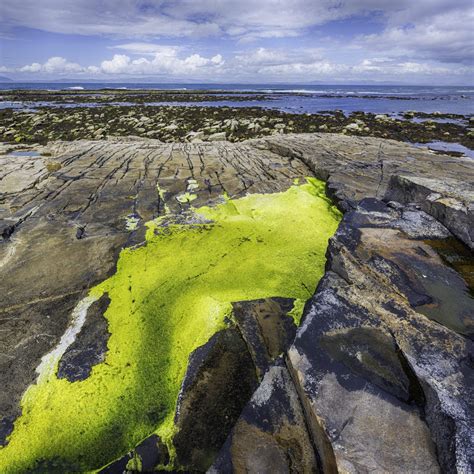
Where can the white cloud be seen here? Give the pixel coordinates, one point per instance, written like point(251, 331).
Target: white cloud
point(218, 60)
point(262, 57)
point(120, 63)
point(146, 48)
point(260, 64)
point(446, 37)
point(424, 37)
point(54, 65)
point(243, 20)
point(165, 60)
point(392, 68)
point(124, 18)
point(311, 71)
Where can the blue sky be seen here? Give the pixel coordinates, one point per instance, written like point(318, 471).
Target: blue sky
point(299, 41)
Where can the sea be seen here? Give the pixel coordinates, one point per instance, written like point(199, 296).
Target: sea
point(378, 99)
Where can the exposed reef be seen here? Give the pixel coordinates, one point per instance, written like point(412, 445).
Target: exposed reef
point(162, 308)
point(197, 123)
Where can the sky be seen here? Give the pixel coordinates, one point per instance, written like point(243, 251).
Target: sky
point(244, 41)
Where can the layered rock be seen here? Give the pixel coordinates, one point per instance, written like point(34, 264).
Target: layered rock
point(379, 376)
point(384, 387)
point(271, 435)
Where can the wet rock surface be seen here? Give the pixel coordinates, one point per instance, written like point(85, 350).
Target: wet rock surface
point(379, 376)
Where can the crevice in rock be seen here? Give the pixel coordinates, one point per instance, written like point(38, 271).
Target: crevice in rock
point(326, 460)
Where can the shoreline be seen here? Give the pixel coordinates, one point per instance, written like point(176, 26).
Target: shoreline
point(194, 122)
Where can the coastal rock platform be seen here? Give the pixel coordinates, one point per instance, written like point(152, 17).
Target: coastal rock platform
point(378, 376)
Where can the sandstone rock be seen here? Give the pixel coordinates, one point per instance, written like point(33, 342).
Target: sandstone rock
point(382, 358)
point(266, 328)
point(270, 435)
point(367, 361)
point(364, 166)
point(449, 201)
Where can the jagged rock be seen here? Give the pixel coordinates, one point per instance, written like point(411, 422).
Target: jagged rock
point(382, 335)
point(450, 201)
point(368, 362)
point(219, 381)
point(270, 435)
point(360, 167)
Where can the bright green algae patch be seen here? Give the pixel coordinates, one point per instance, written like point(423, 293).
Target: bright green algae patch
point(169, 297)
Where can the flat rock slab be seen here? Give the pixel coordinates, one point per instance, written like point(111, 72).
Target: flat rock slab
point(65, 217)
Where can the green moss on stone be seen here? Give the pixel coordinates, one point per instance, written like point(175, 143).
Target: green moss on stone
point(169, 297)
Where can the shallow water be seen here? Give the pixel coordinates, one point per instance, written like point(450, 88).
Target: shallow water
point(453, 302)
point(24, 153)
point(445, 146)
point(303, 98)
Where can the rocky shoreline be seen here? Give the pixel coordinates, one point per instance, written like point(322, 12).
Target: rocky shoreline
point(378, 376)
point(140, 96)
point(198, 123)
point(49, 115)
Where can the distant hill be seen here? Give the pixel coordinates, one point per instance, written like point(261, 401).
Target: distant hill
point(5, 79)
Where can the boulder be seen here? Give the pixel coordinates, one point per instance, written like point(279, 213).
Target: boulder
point(267, 328)
point(219, 381)
point(216, 137)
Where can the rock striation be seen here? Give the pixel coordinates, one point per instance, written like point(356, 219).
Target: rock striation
point(377, 377)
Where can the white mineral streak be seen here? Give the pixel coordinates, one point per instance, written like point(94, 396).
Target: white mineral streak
point(49, 361)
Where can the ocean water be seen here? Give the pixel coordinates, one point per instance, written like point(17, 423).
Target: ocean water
point(296, 99)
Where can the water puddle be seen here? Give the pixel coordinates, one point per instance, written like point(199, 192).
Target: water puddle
point(447, 147)
point(452, 293)
point(30, 153)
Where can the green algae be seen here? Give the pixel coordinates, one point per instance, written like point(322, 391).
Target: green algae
point(167, 298)
point(186, 197)
point(297, 311)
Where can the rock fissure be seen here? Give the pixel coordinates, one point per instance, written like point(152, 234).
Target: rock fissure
point(381, 344)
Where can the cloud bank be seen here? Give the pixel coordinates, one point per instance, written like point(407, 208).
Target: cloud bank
point(268, 39)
